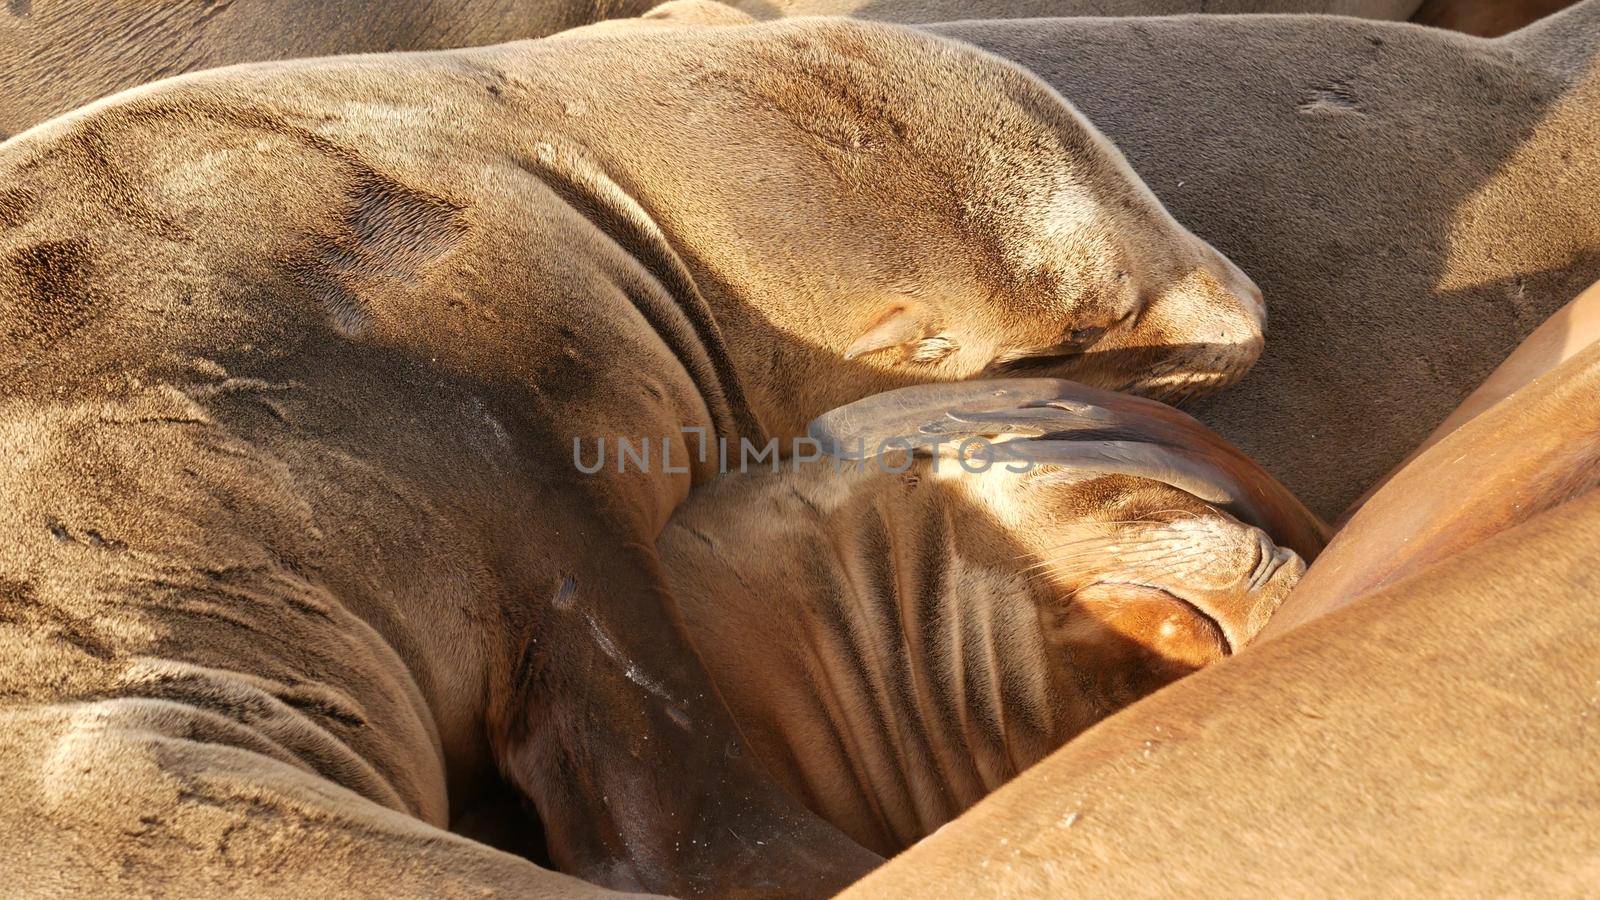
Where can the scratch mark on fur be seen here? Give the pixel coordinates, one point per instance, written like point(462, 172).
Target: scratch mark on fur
point(563, 597)
point(1334, 98)
point(391, 232)
point(631, 670)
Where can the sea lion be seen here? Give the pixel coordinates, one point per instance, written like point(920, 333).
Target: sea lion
point(1565, 334)
point(1533, 450)
point(57, 55)
point(1413, 202)
point(926, 11)
point(1435, 738)
point(897, 638)
point(297, 358)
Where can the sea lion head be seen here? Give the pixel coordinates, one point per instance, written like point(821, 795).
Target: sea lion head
point(961, 618)
point(1151, 546)
point(866, 206)
point(1136, 582)
point(1008, 235)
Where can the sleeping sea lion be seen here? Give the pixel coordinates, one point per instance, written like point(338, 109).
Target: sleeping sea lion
point(296, 361)
point(1437, 658)
point(1413, 202)
point(898, 638)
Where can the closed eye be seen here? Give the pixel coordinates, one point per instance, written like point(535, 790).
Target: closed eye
point(1011, 362)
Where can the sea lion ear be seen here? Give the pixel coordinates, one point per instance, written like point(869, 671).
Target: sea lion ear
point(909, 324)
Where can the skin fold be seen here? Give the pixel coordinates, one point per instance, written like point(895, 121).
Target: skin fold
point(1338, 758)
point(1445, 638)
point(1297, 174)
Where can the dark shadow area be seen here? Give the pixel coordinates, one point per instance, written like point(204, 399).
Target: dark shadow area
point(1485, 18)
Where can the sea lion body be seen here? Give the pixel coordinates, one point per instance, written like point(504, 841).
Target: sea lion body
point(298, 362)
point(1445, 637)
point(1413, 203)
point(1484, 19)
point(896, 645)
point(58, 55)
point(1508, 460)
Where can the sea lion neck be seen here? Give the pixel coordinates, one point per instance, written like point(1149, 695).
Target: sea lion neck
point(925, 672)
point(687, 324)
point(788, 238)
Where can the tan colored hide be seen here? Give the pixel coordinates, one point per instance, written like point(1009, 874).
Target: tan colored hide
point(1485, 18)
point(1435, 738)
point(296, 357)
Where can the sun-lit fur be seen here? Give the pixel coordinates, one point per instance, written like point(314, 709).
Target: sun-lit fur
point(1401, 260)
point(1434, 739)
point(295, 357)
point(56, 55)
point(896, 646)
point(1437, 657)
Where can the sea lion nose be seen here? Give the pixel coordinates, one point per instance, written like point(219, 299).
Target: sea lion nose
point(1242, 286)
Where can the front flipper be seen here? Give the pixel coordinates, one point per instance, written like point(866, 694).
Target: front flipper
point(1059, 423)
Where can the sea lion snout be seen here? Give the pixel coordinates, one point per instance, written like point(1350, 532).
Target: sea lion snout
point(1209, 327)
point(1188, 591)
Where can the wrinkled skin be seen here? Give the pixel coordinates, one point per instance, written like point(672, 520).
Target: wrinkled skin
point(1446, 637)
point(1339, 758)
point(897, 645)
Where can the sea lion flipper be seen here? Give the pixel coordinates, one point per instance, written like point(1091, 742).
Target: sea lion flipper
point(1063, 424)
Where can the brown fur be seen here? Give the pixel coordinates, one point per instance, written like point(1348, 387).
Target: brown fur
point(56, 55)
point(896, 645)
point(1435, 738)
point(1377, 725)
point(1413, 203)
point(1562, 336)
point(1535, 449)
point(295, 360)
point(925, 11)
